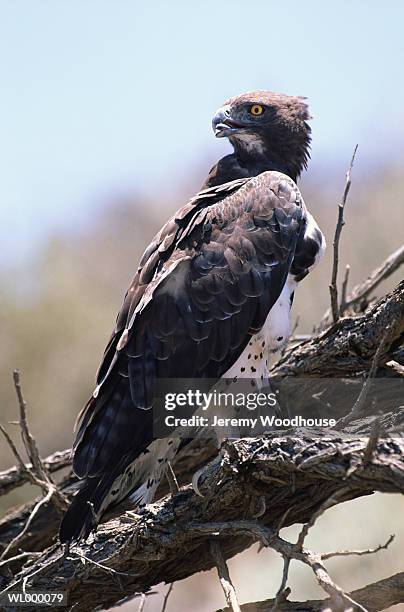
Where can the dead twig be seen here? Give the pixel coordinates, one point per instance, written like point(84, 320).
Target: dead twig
point(386, 269)
point(27, 437)
point(142, 602)
point(344, 289)
point(30, 475)
point(374, 597)
point(172, 480)
point(359, 405)
point(283, 592)
point(27, 525)
point(338, 229)
point(16, 476)
point(358, 553)
point(328, 503)
point(224, 576)
point(287, 550)
point(36, 474)
point(23, 555)
point(110, 570)
point(360, 292)
point(166, 597)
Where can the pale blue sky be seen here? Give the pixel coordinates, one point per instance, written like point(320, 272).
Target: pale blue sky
point(111, 96)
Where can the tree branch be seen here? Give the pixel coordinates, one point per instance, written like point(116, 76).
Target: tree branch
point(374, 597)
point(359, 294)
point(17, 476)
point(346, 349)
point(338, 230)
point(349, 346)
point(145, 547)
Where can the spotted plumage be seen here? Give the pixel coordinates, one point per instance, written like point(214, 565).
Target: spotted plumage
point(211, 298)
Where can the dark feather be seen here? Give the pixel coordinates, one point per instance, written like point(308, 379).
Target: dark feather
point(196, 307)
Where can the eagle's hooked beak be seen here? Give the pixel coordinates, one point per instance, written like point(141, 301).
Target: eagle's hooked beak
point(222, 123)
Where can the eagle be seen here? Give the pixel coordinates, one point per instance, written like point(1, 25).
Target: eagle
point(211, 298)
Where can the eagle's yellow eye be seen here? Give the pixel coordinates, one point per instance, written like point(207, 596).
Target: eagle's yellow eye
point(256, 109)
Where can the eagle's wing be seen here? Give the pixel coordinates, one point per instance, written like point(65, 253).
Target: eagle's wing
point(204, 285)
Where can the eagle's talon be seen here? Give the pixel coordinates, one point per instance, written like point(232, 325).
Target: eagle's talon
point(195, 481)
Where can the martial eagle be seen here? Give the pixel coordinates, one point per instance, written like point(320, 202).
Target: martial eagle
point(211, 296)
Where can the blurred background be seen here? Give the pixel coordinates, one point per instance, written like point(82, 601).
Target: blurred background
point(105, 131)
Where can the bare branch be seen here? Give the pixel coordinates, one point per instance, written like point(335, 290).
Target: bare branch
point(348, 347)
point(386, 269)
point(142, 602)
point(338, 229)
point(358, 407)
point(146, 547)
point(166, 597)
point(17, 476)
point(19, 537)
point(344, 289)
point(224, 576)
point(38, 474)
point(359, 553)
point(374, 597)
point(328, 503)
point(362, 291)
point(172, 480)
point(23, 468)
point(24, 555)
point(27, 437)
point(283, 592)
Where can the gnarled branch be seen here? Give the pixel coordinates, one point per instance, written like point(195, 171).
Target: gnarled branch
point(144, 549)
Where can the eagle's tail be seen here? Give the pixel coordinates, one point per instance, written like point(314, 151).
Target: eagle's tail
point(81, 515)
point(138, 479)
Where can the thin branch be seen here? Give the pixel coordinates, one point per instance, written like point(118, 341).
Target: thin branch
point(358, 553)
point(338, 229)
point(386, 269)
point(23, 555)
point(286, 549)
point(38, 474)
point(374, 597)
point(16, 476)
point(166, 597)
point(102, 566)
point(27, 437)
point(224, 576)
point(361, 291)
point(358, 407)
point(344, 290)
point(172, 480)
point(142, 602)
point(283, 592)
point(328, 503)
point(34, 512)
point(16, 454)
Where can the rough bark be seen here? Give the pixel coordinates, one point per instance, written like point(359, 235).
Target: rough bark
point(131, 553)
point(348, 347)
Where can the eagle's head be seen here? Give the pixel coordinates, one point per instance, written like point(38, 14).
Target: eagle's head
point(268, 129)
